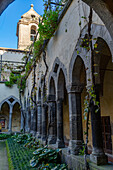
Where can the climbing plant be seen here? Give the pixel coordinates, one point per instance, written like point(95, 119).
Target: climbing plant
point(90, 98)
point(46, 28)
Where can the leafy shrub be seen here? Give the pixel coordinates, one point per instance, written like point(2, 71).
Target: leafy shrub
point(4, 136)
point(12, 80)
point(23, 138)
point(19, 156)
point(23, 156)
point(45, 158)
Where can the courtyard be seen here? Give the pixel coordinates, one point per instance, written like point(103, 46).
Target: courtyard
point(56, 84)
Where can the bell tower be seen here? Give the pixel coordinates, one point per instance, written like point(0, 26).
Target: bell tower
point(27, 28)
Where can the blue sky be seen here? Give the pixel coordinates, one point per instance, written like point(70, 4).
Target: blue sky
point(10, 17)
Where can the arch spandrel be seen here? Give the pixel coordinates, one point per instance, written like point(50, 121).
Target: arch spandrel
point(7, 100)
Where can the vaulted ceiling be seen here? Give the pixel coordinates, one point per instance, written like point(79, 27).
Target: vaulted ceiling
point(4, 4)
point(104, 9)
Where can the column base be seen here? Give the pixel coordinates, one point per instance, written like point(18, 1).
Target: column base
point(52, 140)
point(75, 146)
point(38, 135)
point(60, 144)
point(99, 159)
point(33, 132)
point(28, 130)
point(9, 131)
point(44, 138)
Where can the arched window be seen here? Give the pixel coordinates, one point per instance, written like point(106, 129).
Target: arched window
point(33, 33)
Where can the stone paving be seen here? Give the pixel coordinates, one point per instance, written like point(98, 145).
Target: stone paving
point(3, 156)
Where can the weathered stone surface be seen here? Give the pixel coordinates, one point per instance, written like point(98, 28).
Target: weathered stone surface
point(52, 122)
point(60, 137)
point(39, 120)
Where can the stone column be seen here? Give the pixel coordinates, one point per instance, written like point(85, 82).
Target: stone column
point(60, 136)
point(52, 128)
point(22, 120)
point(39, 120)
point(75, 118)
point(44, 121)
point(10, 119)
point(98, 156)
point(25, 114)
point(26, 119)
point(33, 120)
point(29, 118)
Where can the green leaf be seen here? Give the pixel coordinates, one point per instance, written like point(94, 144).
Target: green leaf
point(33, 163)
point(77, 52)
point(80, 23)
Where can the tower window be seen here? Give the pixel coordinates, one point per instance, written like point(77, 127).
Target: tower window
point(33, 33)
point(32, 16)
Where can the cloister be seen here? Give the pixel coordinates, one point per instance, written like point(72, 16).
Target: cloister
point(62, 76)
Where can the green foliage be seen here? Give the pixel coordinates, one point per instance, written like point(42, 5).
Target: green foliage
point(45, 158)
point(46, 29)
point(19, 156)
point(32, 144)
point(22, 138)
point(49, 24)
point(16, 79)
point(12, 80)
point(21, 82)
point(9, 157)
point(82, 151)
point(91, 95)
point(4, 136)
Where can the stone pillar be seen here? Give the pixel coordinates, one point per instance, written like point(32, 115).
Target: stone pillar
point(44, 121)
point(60, 136)
point(75, 118)
point(10, 119)
point(52, 128)
point(26, 119)
point(22, 120)
point(29, 118)
point(98, 156)
point(33, 120)
point(39, 120)
point(26, 123)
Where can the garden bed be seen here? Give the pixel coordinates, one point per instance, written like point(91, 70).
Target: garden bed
point(25, 153)
point(4, 136)
point(18, 156)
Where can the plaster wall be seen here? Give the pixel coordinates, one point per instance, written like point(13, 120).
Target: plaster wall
point(7, 91)
point(24, 36)
point(10, 59)
point(12, 56)
point(65, 39)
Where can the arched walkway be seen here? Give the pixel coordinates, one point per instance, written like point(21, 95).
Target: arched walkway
point(10, 108)
point(78, 82)
point(63, 134)
point(52, 120)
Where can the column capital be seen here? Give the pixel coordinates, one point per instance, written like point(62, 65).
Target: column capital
point(97, 87)
point(38, 103)
point(44, 104)
point(75, 88)
point(59, 100)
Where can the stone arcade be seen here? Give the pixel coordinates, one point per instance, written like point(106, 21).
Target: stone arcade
point(58, 116)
